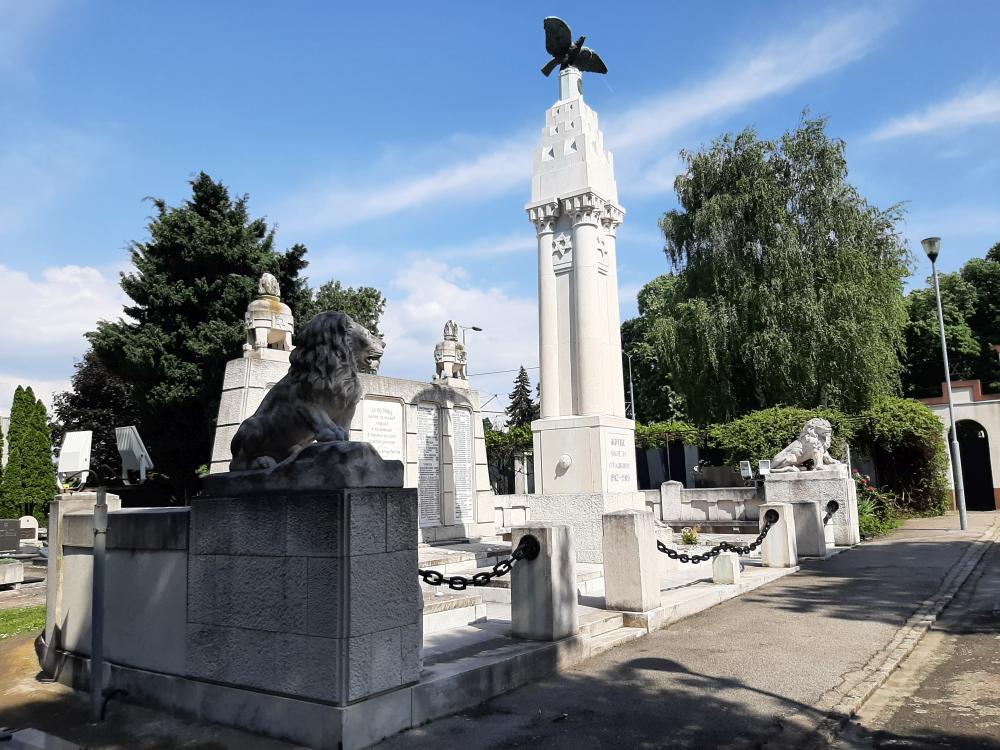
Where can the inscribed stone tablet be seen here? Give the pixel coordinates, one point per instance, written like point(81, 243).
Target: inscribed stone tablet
point(383, 427)
point(428, 466)
point(462, 465)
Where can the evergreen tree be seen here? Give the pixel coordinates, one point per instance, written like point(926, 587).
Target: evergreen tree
point(789, 283)
point(522, 409)
point(192, 282)
point(364, 304)
point(29, 482)
point(98, 401)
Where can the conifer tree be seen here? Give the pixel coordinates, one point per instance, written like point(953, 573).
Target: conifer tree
point(28, 483)
point(522, 409)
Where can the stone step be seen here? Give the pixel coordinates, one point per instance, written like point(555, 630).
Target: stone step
point(595, 622)
point(447, 610)
point(606, 641)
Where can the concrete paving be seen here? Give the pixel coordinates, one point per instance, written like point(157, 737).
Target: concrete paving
point(946, 694)
point(732, 676)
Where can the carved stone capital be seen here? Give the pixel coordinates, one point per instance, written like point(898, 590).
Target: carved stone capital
point(612, 218)
point(585, 208)
point(544, 216)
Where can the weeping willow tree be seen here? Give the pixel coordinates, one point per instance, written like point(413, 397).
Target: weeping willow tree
point(789, 283)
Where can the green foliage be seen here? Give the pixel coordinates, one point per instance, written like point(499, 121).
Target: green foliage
point(789, 285)
point(762, 434)
point(655, 397)
point(29, 482)
point(21, 620)
point(971, 309)
point(192, 282)
point(906, 441)
point(365, 304)
point(661, 434)
point(877, 511)
point(501, 449)
point(689, 535)
point(99, 401)
point(522, 409)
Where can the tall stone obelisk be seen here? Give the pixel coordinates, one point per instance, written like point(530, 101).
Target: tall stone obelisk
point(584, 444)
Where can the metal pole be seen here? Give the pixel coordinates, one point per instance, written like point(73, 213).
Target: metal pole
point(956, 455)
point(97, 605)
point(631, 388)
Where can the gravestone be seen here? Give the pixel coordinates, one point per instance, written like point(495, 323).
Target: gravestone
point(29, 530)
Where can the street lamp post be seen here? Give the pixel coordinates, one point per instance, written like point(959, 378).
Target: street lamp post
point(932, 246)
point(468, 328)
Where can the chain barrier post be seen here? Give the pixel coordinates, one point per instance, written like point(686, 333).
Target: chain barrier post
point(631, 567)
point(726, 568)
point(829, 532)
point(543, 593)
point(810, 539)
point(779, 549)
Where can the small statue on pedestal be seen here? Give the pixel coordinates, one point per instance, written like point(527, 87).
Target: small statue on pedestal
point(449, 355)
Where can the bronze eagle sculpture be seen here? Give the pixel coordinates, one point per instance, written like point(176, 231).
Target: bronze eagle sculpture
point(565, 52)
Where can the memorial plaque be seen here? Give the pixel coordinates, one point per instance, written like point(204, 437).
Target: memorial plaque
point(621, 461)
point(382, 422)
point(463, 465)
point(428, 466)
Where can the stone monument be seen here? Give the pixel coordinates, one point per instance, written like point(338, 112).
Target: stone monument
point(584, 446)
point(807, 477)
point(269, 321)
point(450, 359)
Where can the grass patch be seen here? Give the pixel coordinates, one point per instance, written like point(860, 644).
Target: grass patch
point(21, 620)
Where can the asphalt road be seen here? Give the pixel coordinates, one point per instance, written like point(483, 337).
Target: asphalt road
point(728, 677)
point(946, 695)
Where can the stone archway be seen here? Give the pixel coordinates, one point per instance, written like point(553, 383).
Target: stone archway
point(977, 472)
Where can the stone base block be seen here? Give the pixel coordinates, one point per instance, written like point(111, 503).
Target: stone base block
point(832, 483)
point(312, 596)
point(584, 454)
point(726, 568)
point(543, 590)
point(11, 573)
point(583, 514)
point(631, 567)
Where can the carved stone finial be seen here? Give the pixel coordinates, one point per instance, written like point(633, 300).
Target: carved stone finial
point(450, 358)
point(269, 321)
point(451, 331)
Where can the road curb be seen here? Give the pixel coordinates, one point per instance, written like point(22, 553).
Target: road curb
point(815, 730)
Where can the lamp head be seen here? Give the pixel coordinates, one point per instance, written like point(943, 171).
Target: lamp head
point(476, 328)
point(932, 246)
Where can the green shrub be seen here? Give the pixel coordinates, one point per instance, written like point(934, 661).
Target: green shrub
point(762, 434)
point(661, 434)
point(877, 510)
point(906, 441)
point(501, 449)
point(689, 535)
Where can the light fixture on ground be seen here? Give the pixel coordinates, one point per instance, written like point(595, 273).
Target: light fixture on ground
point(477, 329)
point(932, 246)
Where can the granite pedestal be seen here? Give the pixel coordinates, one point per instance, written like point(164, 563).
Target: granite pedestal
point(820, 487)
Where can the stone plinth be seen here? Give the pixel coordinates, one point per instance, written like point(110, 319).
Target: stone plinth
point(311, 595)
point(584, 454)
point(831, 483)
point(11, 573)
point(726, 568)
point(582, 513)
point(631, 567)
point(543, 590)
point(778, 550)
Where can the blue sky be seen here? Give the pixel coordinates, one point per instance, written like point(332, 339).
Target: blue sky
point(394, 140)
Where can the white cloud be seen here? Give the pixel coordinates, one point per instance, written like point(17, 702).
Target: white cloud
point(427, 293)
point(971, 107)
point(783, 63)
point(45, 318)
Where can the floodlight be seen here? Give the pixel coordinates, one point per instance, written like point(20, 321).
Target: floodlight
point(763, 468)
point(134, 455)
point(74, 458)
point(745, 471)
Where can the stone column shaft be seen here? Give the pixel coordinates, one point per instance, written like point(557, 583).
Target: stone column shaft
point(616, 384)
point(591, 329)
point(544, 218)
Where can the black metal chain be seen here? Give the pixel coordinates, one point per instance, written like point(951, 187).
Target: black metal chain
point(527, 549)
point(770, 518)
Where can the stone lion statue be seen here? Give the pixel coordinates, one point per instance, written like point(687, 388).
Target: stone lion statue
point(316, 399)
point(813, 444)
